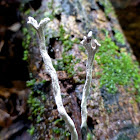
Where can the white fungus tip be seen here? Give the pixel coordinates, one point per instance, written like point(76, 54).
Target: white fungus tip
point(96, 42)
point(44, 21)
point(90, 34)
point(33, 22)
point(84, 37)
point(82, 42)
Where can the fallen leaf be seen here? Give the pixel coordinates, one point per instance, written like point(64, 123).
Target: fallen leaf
point(15, 27)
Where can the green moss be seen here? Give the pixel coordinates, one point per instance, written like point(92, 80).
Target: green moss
point(108, 8)
point(119, 37)
point(81, 48)
point(30, 83)
point(25, 55)
point(56, 130)
point(27, 33)
point(57, 121)
point(36, 101)
point(53, 11)
point(36, 106)
point(68, 61)
point(89, 136)
point(27, 12)
point(117, 68)
point(138, 98)
point(31, 130)
point(59, 129)
point(26, 36)
point(25, 43)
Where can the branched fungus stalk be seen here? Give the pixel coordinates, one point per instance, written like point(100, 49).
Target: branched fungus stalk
point(52, 72)
point(91, 46)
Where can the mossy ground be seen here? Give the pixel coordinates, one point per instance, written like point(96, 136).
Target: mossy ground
point(38, 113)
point(118, 68)
point(108, 8)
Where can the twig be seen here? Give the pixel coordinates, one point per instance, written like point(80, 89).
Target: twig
point(51, 71)
point(91, 46)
